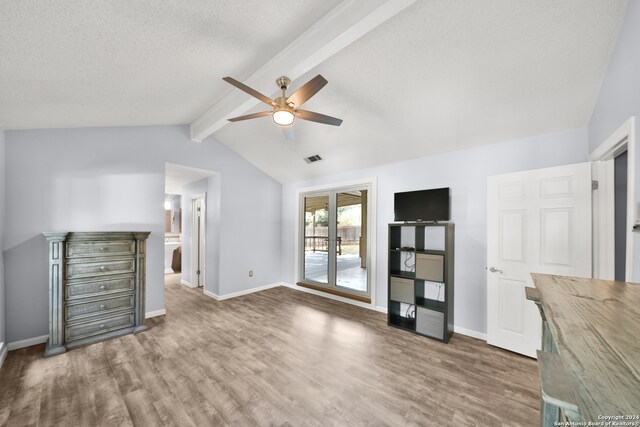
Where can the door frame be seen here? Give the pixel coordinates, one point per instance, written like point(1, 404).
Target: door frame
point(193, 241)
point(371, 184)
point(603, 222)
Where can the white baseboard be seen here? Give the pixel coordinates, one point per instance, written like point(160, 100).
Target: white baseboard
point(470, 333)
point(187, 284)
point(211, 295)
point(42, 339)
point(28, 342)
point(150, 314)
point(381, 309)
point(240, 293)
point(3, 353)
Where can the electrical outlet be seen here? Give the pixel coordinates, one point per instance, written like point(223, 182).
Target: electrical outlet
point(250, 273)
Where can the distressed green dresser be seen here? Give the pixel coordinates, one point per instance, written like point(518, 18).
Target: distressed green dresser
point(96, 287)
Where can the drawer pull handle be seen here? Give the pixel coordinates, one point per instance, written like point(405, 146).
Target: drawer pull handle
point(103, 268)
point(102, 326)
point(101, 287)
point(102, 306)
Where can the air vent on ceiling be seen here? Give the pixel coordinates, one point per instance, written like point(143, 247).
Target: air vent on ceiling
point(313, 158)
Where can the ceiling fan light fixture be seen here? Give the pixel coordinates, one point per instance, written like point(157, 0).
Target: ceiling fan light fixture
point(283, 117)
point(286, 109)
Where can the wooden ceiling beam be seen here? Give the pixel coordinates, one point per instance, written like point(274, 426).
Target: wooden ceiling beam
point(342, 26)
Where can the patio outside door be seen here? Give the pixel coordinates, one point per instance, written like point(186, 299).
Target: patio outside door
point(335, 241)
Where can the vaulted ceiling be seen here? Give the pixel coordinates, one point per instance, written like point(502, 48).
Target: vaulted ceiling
point(409, 78)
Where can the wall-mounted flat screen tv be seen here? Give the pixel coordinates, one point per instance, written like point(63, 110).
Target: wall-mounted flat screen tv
point(423, 205)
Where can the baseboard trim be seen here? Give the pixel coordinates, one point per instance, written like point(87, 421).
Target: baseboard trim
point(211, 295)
point(42, 339)
point(240, 293)
point(470, 333)
point(3, 353)
point(28, 342)
point(156, 313)
point(187, 284)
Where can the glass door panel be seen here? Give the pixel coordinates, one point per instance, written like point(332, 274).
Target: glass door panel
point(316, 238)
point(335, 241)
point(351, 240)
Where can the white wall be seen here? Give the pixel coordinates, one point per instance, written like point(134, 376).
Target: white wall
point(113, 179)
point(465, 173)
point(2, 228)
point(619, 99)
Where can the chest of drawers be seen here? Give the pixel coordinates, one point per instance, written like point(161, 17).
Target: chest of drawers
point(96, 287)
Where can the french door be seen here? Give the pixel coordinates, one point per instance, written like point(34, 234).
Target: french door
point(335, 241)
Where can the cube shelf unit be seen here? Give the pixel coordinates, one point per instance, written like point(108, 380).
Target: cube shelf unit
point(421, 264)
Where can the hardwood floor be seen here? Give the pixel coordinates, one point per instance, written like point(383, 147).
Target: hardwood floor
point(276, 357)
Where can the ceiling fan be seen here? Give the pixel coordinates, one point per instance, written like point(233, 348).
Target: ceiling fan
point(285, 110)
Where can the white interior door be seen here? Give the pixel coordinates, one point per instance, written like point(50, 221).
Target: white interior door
point(538, 221)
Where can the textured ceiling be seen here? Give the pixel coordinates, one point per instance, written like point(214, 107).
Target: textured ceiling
point(441, 75)
point(120, 62)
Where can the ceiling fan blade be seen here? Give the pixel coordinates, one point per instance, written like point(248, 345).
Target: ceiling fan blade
point(243, 87)
point(251, 116)
point(288, 132)
point(307, 90)
point(319, 118)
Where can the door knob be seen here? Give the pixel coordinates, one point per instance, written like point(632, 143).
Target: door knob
point(495, 270)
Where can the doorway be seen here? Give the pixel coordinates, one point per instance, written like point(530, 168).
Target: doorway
point(172, 233)
point(198, 239)
point(196, 229)
point(620, 214)
point(613, 204)
point(335, 242)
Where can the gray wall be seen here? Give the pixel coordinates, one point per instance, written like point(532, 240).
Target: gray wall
point(2, 227)
point(113, 179)
point(619, 99)
point(465, 173)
